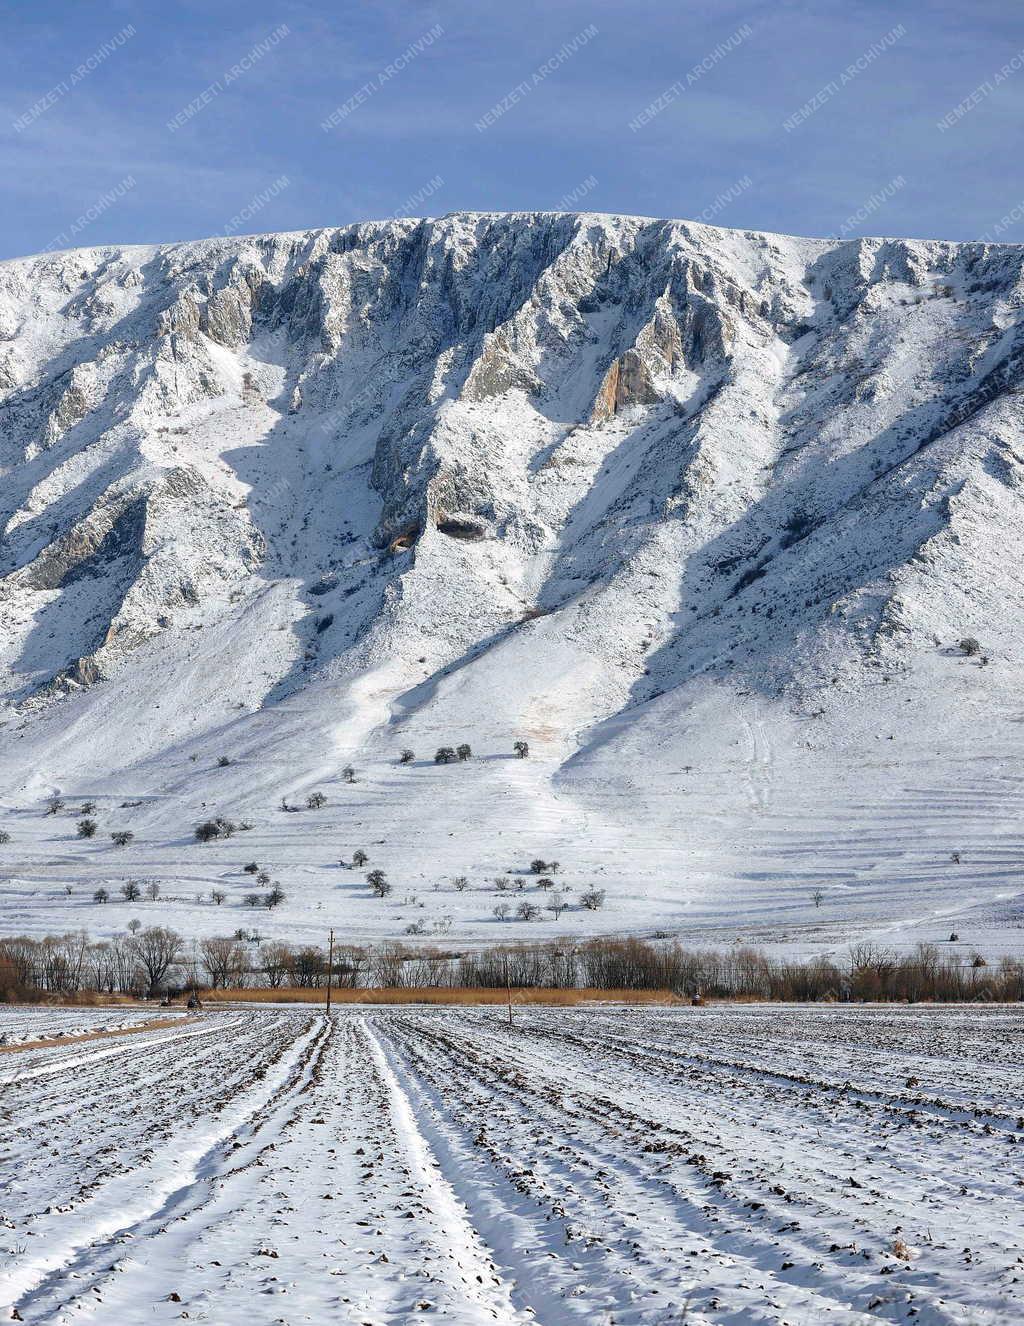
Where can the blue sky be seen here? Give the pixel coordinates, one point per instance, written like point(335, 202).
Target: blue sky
point(89, 158)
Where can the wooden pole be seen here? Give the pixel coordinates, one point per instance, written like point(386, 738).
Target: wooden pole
point(330, 968)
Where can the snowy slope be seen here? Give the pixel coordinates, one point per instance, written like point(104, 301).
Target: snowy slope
point(699, 514)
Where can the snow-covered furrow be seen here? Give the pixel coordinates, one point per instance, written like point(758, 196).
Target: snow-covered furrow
point(586, 1166)
point(18, 1025)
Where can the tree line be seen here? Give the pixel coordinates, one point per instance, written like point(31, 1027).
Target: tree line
point(157, 960)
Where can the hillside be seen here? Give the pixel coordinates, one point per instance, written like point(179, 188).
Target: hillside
point(699, 514)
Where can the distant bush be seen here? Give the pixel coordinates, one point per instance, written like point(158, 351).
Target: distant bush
point(407, 757)
point(969, 646)
point(275, 897)
point(262, 877)
point(521, 748)
point(122, 837)
point(502, 883)
point(359, 858)
point(348, 773)
point(223, 762)
point(250, 868)
point(593, 899)
point(460, 883)
point(54, 806)
point(87, 828)
point(464, 752)
point(216, 828)
point(88, 807)
point(316, 801)
point(445, 755)
point(101, 895)
point(253, 900)
point(217, 896)
point(5, 837)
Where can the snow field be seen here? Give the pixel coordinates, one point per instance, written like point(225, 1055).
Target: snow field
point(739, 1165)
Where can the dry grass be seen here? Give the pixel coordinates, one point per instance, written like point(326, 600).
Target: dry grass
point(434, 995)
point(90, 1036)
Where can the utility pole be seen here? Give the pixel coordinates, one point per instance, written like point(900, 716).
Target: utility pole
point(330, 968)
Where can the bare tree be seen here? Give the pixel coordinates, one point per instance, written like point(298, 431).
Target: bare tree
point(130, 891)
point(225, 960)
point(86, 828)
point(521, 749)
point(276, 961)
point(502, 910)
point(407, 757)
point(316, 801)
point(157, 949)
point(152, 890)
point(359, 858)
point(556, 904)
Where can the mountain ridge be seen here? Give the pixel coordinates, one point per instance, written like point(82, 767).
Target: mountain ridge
point(629, 487)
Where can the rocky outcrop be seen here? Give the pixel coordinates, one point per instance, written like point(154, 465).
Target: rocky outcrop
point(409, 421)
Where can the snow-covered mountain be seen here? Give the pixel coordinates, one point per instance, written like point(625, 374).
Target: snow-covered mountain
point(700, 514)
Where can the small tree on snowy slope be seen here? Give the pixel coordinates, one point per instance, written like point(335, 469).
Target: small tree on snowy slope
point(378, 883)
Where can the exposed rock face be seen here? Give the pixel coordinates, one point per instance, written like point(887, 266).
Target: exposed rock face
point(627, 382)
point(699, 449)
